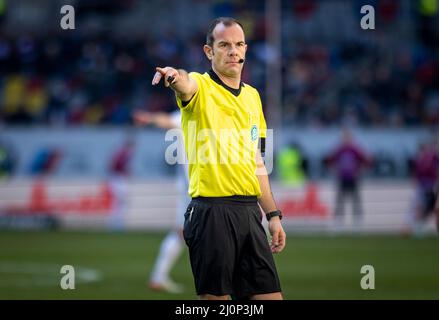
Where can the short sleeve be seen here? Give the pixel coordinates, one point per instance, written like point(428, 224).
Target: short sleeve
point(190, 106)
point(262, 123)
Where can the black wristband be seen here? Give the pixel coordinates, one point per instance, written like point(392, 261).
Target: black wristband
point(276, 213)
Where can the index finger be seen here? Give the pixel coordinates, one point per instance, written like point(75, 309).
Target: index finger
point(156, 79)
point(162, 70)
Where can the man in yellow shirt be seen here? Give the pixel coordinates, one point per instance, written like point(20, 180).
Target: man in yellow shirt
point(223, 125)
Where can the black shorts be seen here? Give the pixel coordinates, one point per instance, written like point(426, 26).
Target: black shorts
point(428, 201)
point(228, 247)
point(348, 185)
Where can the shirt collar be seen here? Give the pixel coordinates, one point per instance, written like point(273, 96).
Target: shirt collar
point(217, 79)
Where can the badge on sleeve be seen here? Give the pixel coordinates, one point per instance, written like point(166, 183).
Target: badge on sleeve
point(254, 132)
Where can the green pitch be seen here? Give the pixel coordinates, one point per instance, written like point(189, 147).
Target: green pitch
point(117, 265)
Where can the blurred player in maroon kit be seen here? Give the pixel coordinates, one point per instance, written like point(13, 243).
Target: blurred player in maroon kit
point(349, 160)
point(119, 173)
point(426, 174)
point(436, 209)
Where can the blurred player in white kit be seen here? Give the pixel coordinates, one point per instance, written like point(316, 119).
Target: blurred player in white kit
point(173, 243)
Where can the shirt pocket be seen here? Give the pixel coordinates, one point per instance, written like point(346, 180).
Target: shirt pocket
point(192, 220)
point(188, 227)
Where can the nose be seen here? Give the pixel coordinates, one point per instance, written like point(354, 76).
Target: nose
point(233, 51)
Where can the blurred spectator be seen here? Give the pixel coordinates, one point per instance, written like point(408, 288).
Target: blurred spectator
point(436, 209)
point(426, 24)
point(119, 173)
point(46, 161)
point(8, 161)
point(426, 174)
point(349, 160)
point(292, 166)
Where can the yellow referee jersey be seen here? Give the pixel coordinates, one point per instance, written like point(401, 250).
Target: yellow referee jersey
point(221, 128)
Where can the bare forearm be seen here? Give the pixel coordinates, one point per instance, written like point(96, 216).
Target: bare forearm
point(266, 200)
point(267, 203)
point(164, 121)
point(159, 119)
point(183, 85)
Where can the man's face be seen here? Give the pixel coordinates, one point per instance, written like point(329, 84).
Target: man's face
point(228, 48)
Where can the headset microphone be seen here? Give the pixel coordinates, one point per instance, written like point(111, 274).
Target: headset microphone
point(241, 60)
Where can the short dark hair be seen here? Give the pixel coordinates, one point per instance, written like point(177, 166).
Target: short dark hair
point(227, 21)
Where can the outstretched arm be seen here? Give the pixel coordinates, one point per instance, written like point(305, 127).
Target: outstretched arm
point(158, 119)
point(178, 80)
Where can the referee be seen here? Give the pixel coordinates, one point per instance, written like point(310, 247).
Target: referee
point(228, 247)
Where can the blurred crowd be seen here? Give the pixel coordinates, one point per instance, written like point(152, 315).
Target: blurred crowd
point(72, 78)
point(359, 84)
point(75, 81)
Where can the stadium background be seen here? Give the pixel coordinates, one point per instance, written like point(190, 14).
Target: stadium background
point(66, 99)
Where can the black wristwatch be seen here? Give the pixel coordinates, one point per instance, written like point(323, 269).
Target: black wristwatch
point(276, 213)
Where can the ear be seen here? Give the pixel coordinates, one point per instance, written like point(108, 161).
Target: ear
point(208, 51)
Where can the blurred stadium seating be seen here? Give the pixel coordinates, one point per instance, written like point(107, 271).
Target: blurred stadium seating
point(333, 71)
